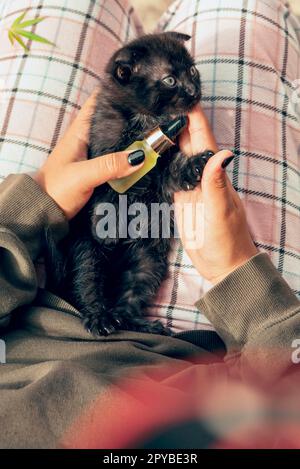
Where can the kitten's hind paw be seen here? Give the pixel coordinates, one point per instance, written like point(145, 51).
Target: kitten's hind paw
point(98, 325)
point(143, 325)
point(105, 325)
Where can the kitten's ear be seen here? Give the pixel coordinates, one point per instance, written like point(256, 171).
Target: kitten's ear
point(125, 62)
point(131, 54)
point(178, 36)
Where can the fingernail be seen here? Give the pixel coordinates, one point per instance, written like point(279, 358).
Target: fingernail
point(136, 158)
point(227, 161)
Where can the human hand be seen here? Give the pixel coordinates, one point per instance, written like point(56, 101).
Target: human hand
point(69, 178)
point(226, 240)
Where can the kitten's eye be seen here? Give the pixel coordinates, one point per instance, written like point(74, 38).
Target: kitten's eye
point(122, 72)
point(193, 71)
point(170, 81)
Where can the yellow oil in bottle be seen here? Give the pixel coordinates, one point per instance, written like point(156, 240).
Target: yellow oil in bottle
point(123, 184)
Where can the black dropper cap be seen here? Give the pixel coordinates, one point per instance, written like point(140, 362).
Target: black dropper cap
point(174, 127)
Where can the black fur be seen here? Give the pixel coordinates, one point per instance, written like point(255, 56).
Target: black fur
point(112, 281)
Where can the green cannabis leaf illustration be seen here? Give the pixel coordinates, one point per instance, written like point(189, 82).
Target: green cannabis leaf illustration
point(18, 30)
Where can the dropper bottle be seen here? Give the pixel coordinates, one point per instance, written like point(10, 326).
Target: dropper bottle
point(154, 145)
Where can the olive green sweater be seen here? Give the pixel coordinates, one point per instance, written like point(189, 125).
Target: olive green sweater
point(55, 369)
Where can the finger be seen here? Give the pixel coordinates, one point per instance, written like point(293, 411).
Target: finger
point(183, 197)
point(106, 168)
point(80, 127)
point(216, 186)
point(73, 145)
point(234, 193)
point(199, 129)
point(198, 136)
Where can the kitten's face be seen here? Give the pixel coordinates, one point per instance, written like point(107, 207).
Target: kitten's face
point(156, 75)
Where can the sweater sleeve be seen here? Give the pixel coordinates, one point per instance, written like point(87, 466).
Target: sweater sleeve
point(26, 212)
point(257, 315)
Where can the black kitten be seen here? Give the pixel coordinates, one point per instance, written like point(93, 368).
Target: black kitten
point(112, 281)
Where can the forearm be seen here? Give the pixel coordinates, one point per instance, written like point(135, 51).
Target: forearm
point(26, 213)
point(258, 317)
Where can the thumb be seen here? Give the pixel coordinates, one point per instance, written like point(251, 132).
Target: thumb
point(215, 183)
point(105, 168)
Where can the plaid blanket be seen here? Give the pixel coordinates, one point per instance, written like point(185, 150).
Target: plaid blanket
point(249, 57)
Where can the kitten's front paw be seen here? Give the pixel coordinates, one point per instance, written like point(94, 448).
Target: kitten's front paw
point(194, 170)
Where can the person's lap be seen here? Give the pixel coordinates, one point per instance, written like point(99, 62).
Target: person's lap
point(247, 63)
